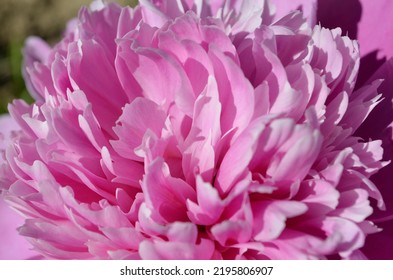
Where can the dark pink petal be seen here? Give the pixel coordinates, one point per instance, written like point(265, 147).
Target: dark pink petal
point(362, 20)
point(198, 154)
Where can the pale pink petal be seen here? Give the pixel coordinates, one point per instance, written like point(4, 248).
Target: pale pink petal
point(274, 216)
point(36, 50)
point(209, 206)
point(231, 231)
point(236, 160)
point(13, 245)
point(176, 250)
point(308, 7)
point(346, 230)
point(7, 124)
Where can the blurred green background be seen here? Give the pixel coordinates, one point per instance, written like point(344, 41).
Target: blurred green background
point(22, 18)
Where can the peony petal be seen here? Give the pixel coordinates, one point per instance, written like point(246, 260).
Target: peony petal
point(270, 218)
point(13, 246)
point(205, 132)
point(234, 164)
point(7, 124)
point(304, 151)
point(319, 196)
point(309, 9)
point(176, 250)
point(209, 207)
point(36, 50)
point(132, 126)
point(166, 194)
point(231, 231)
point(352, 234)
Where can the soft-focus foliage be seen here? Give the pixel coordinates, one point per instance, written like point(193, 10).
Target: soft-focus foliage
point(194, 130)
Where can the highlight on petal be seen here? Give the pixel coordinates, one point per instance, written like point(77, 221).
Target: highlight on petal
point(308, 8)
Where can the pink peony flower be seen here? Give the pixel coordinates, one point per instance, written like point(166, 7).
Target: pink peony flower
point(195, 130)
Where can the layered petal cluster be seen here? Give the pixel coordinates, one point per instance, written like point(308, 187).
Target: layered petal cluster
point(193, 130)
